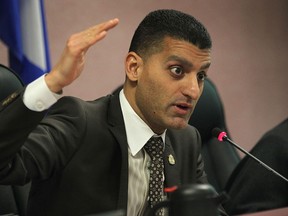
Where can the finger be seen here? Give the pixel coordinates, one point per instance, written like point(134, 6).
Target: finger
point(98, 32)
point(105, 26)
point(111, 24)
point(83, 42)
point(91, 40)
point(80, 42)
point(97, 29)
point(95, 33)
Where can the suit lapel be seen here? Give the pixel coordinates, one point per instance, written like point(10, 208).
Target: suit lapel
point(117, 128)
point(172, 172)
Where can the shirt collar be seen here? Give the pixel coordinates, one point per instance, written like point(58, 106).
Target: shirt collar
point(137, 131)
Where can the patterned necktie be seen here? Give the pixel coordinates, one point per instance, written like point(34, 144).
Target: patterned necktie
point(154, 147)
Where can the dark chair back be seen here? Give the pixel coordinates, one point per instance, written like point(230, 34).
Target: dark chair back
point(220, 158)
point(9, 82)
point(13, 199)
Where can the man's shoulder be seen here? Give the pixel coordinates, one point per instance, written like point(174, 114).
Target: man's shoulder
point(73, 106)
point(76, 101)
point(186, 135)
point(187, 131)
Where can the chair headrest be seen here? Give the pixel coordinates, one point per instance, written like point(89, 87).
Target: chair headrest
point(9, 82)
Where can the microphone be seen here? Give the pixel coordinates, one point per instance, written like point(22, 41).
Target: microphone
point(222, 136)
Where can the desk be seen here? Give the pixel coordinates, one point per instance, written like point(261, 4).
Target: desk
point(274, 212)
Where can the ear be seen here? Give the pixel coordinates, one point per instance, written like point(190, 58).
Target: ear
point(133, 66)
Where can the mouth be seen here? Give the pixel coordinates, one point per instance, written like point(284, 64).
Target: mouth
point(183, 108)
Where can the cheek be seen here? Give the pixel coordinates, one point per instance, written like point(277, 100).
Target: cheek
point(157, 91)
point(147, 93)
point(149, 96)
point(153, 88)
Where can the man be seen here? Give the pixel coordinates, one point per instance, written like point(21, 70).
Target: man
point(253, 188)
point(89, 157)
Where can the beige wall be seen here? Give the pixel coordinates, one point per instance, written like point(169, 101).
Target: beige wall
point(249, 53)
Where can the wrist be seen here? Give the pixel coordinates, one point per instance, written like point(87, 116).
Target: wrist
point(52, 84)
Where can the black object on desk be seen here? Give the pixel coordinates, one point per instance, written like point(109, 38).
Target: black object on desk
point(194, 199)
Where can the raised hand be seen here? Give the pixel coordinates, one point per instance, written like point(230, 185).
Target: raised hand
point(71, 63)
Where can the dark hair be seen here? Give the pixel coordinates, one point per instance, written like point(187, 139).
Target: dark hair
point(159, 24)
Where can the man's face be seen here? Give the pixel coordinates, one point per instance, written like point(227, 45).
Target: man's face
point(170, 83)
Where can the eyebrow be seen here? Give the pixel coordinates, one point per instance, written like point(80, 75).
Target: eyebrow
point(205, 66)
point(181, 60)
point(187, 63)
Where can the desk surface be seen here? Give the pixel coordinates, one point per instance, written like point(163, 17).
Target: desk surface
point(274, 212)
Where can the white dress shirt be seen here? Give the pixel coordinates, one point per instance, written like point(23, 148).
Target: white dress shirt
point(38, 97)
point(138, 133)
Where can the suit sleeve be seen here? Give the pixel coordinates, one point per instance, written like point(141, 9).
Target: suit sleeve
point(36, 144)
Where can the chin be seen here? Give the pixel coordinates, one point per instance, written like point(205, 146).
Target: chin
point(178, 125)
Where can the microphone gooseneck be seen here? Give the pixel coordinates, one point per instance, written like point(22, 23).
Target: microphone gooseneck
point(222, 136)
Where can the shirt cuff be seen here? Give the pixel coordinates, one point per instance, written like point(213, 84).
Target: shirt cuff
point(38, 97)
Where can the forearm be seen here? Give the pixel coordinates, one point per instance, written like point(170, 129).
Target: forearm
point(17, 121)
point(41, 142)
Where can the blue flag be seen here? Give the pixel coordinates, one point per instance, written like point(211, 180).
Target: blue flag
point(23, 30)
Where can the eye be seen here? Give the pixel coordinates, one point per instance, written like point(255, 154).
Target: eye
point(177, 70)
point(201, 76)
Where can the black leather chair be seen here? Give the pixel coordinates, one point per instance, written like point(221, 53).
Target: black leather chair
point(220, 158)
point(13, 199)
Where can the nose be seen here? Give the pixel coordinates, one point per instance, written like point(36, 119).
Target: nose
point(192, 87)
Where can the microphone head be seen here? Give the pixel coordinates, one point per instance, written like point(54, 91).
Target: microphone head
point(219, 134)
point(216, 132)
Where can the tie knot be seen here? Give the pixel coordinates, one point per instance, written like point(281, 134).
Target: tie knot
point(154, 147)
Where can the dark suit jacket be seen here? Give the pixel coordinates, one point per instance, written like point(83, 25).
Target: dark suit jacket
point(77, 157)
point(253, 188)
